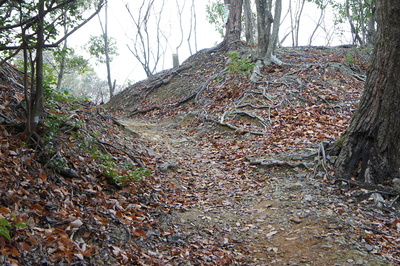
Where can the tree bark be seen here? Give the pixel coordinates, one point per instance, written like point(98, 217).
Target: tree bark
point(248, 18)
point(275, 27)
point(233, 27)
point(62, 63)
point(371, 36)
point(104, 29)
point(371, 145)
point(36, 105)
point(264, 21)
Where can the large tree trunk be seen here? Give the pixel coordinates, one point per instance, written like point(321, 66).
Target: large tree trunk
point(371, 145)
point(233, 27)
point(264, 22)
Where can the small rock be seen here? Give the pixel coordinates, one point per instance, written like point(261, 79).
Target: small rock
point(301, 175)
point(331, 159)
point(309, 165)
point(296, 220)
point(248, 136)
point(369, 247)
point(396, 183)
point(378, 200)
point(360, 262)
point(165, 167)
point(154, 154)
point(308, 198)
point(320, 174)
point(295, 186)
point(261, 170)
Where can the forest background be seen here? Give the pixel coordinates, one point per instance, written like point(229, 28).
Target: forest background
point(184, 27)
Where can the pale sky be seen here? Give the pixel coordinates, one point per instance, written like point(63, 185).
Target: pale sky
point(125, 67)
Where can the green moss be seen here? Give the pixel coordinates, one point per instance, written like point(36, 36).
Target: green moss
point(341, 140)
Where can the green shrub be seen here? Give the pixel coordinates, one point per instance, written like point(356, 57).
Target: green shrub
point(5, 226)
point(122, 177)
point(239, 66)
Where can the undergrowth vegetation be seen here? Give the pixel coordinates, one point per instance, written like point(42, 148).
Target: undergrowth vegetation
point(65, 138)
point(237, 65)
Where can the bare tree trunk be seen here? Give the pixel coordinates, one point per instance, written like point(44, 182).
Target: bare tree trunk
point(292, 24)
point(318, 24)
point(371, 145)
point(295, 17)
point(289, 12)
point(264, 21)
point(149, 56)
point(356, 36)
point(104, 30)
point(180, 11)
point(62, 63)
point(192, 28)
point(36, 104)
point(275, 27)
point(267, 39)
point(234, 24)
point(371, 36)
point(248, 18)
point(362, 21)
point(297, 22)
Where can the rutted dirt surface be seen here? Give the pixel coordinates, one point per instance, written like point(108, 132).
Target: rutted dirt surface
point(279, 215)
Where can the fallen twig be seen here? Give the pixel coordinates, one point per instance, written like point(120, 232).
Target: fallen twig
point(239, 130)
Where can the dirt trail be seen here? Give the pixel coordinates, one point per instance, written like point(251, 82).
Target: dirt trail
point(264, 216)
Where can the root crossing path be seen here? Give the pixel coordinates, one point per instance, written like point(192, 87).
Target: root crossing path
point(244, 214)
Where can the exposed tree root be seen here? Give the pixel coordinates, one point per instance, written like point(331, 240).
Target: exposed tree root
point(144, 111)
point(222, 122)
point(208, 81)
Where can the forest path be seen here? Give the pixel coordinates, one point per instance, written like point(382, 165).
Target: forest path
point(261, 216)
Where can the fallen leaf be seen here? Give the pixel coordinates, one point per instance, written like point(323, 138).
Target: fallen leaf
point(77, 223)
point(140, 232)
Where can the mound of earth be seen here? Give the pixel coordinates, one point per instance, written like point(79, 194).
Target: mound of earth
point(170, 88)
point(308, 100)
point(252, 161)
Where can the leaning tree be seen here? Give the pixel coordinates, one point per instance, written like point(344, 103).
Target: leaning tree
point(370, 149)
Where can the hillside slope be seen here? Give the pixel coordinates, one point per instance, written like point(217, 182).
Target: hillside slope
point(307, 100)
point(81, 193)
point(200, 167)
point(235, 148)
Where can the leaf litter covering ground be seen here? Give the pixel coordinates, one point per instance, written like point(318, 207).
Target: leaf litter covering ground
point(299, 105)
point(204, 203)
